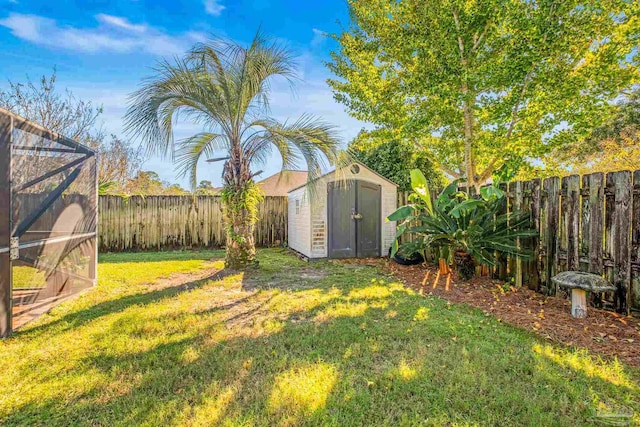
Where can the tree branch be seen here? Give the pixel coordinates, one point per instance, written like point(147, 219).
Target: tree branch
point(478, 39)
point(456, 19)
point(516, 107)
point(450, 171)
point(488, 171)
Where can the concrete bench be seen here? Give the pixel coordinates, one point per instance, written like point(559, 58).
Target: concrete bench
point(580, 283)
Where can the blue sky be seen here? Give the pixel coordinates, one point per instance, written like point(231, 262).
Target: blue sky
point(103, 48)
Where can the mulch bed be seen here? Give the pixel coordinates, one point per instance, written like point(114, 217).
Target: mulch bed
point(603, 332)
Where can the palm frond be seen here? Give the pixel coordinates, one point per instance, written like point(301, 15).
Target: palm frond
point(193, 149)
point(153, 108)
point(308, 138)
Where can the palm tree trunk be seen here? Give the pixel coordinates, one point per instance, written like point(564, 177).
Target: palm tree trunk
point(241, 248)
point(240, 203)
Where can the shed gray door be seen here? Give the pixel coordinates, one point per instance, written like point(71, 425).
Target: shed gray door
point(341, 202)
point(354, 219)
point(368, 225)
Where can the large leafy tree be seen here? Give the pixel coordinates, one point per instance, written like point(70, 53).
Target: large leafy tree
point(224, 86)
point(489, 84)
point(393, 156)
point(148, 183)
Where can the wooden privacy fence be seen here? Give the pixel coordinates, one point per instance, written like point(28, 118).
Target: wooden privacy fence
point(171, 222)
point(589, 223)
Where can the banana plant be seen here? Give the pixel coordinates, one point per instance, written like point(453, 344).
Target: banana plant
point(456, 222)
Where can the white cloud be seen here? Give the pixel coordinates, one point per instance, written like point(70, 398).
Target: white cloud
point(212, 7)
point(115, 34)
point(120, 22)
point(319, 37)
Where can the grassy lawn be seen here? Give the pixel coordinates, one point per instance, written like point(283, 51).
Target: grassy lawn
point(289, 344)
point(28, 277)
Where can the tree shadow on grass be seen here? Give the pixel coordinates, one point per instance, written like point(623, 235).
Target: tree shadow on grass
point(83, 316)
point(364, 354)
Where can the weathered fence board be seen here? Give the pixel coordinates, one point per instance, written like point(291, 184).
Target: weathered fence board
point(166, 222)
point(516, 189)
point(535, 194)
point(635, 243)
point(501, 269)
point(570, 229)
point(549, 231)
point(617, 235)
point(592, 222)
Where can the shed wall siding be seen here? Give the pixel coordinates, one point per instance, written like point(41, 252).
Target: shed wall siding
point(389, 197)
point(300, 223)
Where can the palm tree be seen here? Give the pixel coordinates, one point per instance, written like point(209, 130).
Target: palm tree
point(225, 87)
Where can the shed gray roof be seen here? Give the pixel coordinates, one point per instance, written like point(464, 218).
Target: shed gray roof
point(349, 165)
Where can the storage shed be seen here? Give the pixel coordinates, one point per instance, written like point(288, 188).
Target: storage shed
point(343, 215)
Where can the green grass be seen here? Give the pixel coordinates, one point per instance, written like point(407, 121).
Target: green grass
point(28, 277)
point(289, 344)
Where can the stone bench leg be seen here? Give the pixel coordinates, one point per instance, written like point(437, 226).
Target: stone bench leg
point(578, 303)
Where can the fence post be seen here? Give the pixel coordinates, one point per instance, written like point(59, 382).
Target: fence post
point(6, 214)
point(571, 220)
point(534, 276)
point(517, 206)
point(93, 257)
point(619, 183)
point(549, 231)
point(635, 243)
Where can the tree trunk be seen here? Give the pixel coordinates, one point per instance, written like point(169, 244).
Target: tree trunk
point(241, 248)
point(465, 266)
point(470, 167)
point(240, 198)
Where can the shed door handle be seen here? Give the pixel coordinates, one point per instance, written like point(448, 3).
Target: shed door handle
point(356, 216)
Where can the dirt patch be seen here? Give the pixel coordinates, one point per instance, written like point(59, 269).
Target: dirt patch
point(603, 332)
point(312, 274)
point(292, 279)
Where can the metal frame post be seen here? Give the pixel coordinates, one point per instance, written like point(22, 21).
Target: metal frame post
point(6, 220)
point(93, 261)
